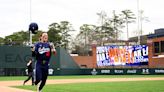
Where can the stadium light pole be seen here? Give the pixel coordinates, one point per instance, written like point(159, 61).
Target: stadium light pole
point(138, 20)
point(30, 22)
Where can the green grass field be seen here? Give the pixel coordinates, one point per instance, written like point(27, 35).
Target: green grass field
point(134, 86)
point(141, 86)
point(10, 78)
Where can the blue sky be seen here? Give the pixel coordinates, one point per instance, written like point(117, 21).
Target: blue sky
point(15, 14)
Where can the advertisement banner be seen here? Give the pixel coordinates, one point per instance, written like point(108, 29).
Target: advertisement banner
point(122, 55)
point(142, 71)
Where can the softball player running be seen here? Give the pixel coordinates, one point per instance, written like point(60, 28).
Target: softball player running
point(42, 51)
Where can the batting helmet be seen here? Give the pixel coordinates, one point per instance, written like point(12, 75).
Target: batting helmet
point(33, 27)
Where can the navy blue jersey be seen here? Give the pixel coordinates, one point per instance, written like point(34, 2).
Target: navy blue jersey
point(43, 52)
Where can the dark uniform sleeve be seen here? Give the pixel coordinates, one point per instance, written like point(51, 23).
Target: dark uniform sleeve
point(34, 53)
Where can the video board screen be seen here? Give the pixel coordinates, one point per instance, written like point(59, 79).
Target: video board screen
point(122, 55)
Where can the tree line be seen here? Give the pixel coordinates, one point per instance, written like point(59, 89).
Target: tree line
point(59, 33)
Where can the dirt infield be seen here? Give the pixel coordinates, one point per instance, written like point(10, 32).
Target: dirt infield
point(5, 85)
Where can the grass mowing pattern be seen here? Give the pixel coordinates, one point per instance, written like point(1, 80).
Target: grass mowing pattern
point(135, 86)
point(10, 78)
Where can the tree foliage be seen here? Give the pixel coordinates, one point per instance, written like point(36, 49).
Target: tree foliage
point(59, 33)
point(65, 28)
point(109, 29)
point(17, 38)
point(128, 17)
point(1, 41)
point(54, 33)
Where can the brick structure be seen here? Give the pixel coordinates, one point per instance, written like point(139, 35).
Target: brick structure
point(86, 61)
point(155, 43)
point(83, 61)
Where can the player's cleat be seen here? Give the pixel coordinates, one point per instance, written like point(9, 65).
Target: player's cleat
point(38, 89)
